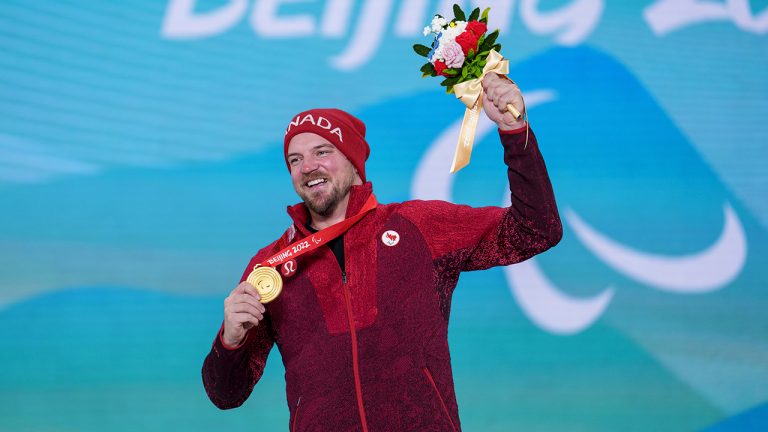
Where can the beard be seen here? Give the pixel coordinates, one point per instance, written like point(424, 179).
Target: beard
point(324, 203)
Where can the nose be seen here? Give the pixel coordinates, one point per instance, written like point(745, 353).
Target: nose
point(308, 165)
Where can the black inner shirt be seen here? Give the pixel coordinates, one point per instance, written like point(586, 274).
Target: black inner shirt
point(336, 245)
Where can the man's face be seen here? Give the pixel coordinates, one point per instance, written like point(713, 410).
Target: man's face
point(321, 174)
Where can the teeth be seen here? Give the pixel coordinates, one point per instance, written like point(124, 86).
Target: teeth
point(315, 182)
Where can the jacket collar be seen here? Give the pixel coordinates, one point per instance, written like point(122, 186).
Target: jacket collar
point(358, 194)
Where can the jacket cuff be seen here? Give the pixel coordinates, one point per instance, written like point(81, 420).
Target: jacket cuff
point(514, 131)
point(220, 341)
point(518, 143)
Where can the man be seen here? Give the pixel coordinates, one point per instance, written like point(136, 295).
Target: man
point(362, 323)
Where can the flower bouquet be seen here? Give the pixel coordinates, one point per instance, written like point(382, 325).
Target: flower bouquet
point(463, 54)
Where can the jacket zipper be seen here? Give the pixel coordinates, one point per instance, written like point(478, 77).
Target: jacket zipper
point(442, 402)
point(295, 415)
point(355, 361)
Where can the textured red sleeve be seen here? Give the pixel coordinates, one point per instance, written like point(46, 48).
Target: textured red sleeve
point(230, 373)
point(467, 238)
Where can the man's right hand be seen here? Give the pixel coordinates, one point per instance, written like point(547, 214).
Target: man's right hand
point(242, 311)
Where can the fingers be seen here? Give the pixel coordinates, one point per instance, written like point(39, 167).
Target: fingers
point(246, 288)
point(244, 292)
point(248, 299)
point(246, 320)
point(245, 299)
point(239, 318)
point(502, 95)
point(513, 98)
point(490, 79)
point(492, 82)
point(241, 298)
point(486, 101)
point(243, 305)
point(502, 91)
point(245, 308)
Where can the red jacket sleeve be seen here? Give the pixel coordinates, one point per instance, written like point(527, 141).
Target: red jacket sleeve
point(478, 238)
point(230, 373)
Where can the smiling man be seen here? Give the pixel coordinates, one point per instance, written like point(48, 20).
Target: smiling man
point(362, 321)
point(322, 175)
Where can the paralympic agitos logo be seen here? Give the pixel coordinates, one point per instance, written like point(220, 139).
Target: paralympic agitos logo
point(549, 307)
point(636, 173)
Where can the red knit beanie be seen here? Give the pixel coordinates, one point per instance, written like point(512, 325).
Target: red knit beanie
point(342, 129)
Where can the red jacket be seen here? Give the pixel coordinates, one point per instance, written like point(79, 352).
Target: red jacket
point(368, 351)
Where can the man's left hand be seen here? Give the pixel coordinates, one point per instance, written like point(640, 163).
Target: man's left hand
point(497, 93)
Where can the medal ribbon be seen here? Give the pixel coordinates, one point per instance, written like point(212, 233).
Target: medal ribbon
point(308, 244)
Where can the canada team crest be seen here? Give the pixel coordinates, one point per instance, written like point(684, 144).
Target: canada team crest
point(390, 238)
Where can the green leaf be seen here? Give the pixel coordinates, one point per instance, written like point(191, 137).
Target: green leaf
point(451, 72)
point(474, 15)
point(422, 50)
point(428, 69)
point(458, 13)
point(450, 81)
point(484, 16)
point(497, 47)
point(490, 39)
point(464, 72)
point(471, 55)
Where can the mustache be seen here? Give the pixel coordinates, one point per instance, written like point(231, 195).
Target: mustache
point(313, 176)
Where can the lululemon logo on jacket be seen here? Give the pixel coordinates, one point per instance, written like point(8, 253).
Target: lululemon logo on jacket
point(289, 268)
point(390, 238)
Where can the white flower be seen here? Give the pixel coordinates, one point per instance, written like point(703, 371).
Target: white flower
point(448, 37)
point(450, 33)
point(438, 23)
point(438, 54)
point(427, 31)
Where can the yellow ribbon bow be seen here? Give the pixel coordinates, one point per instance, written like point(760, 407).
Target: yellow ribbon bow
point(470, 93)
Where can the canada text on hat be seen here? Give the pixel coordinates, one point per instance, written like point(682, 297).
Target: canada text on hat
point(321, 122)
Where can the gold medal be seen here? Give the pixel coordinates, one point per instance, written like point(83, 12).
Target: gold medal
point(267, 282)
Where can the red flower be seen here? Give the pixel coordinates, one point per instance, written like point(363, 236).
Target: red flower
point(477, 28)
point(440, 67)
point(468, 41)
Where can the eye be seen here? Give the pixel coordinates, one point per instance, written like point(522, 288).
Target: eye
point(293, 161)
point(323, 152)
